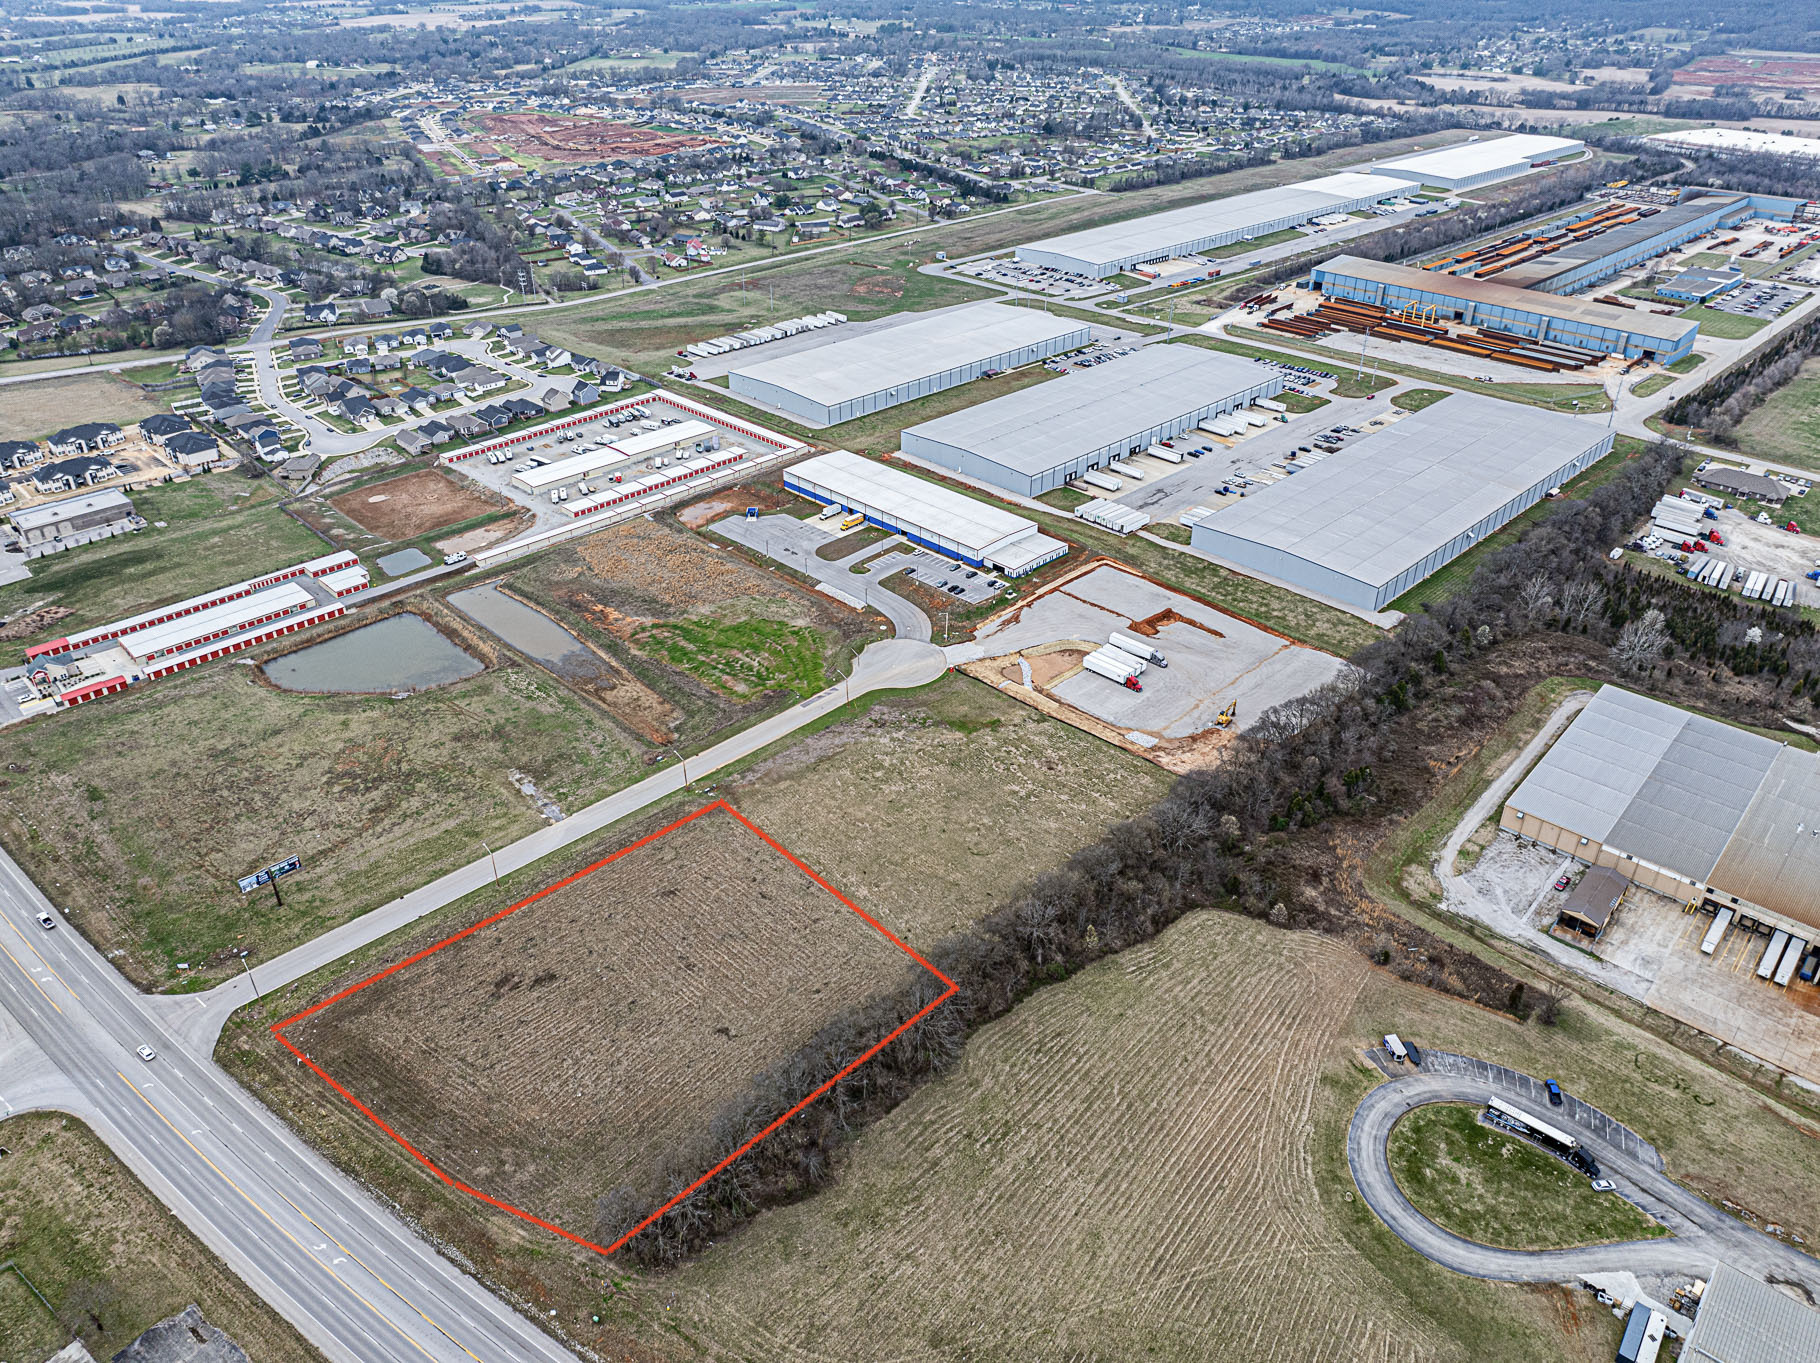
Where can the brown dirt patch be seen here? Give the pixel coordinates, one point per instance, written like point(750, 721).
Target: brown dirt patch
point(25, 626)
point(572, 1047)
point(764, 496)
point(554, 137)
point(674, 571)
point(882, 287)
point(1767, 73)
point(415, 504)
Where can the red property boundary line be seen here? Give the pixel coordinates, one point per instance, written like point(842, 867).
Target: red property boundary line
point(949, 991)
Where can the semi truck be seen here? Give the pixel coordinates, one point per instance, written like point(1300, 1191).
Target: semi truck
point(1551, 1136)
point(1112, 672)
point(1136, 647)
point(1117, 657)
point(1721, 921)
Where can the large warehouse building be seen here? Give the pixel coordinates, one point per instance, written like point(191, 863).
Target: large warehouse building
point(1365, 525)
point(1581, 264)
point(1737, 142)
point(1475, 163)
point(1614, 790)
point(1432, 296)
point(925, 513)
point(853, 375)
point(1037, 439)
point(1104, 251)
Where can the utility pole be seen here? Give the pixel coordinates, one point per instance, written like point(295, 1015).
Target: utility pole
point(491, 858)
point(249, 974)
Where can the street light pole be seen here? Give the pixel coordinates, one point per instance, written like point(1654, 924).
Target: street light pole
point(491, 858)
point(249, 974)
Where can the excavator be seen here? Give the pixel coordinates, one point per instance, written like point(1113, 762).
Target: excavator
point(1225, 718)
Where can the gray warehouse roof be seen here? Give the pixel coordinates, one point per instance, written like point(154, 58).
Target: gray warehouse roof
point(1773, 858)
point(1374, 509)
point(932, 343)
point(1743, 1320)
point(1161, 233)
point(1039, 428)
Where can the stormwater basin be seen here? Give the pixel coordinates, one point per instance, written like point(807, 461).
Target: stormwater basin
point(403, 652)
point(401, 561)
point(526, 629)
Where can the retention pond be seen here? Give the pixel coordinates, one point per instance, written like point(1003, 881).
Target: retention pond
point(403, 652)
point(531, 632)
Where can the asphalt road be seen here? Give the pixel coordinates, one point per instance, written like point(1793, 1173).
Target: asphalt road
point(1701, 1234)
point(348, 1274)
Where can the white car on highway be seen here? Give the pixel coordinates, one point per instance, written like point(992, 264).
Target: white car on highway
point(147, 1054)
point(46, 922)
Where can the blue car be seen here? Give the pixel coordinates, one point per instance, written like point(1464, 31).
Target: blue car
point(1554, 1093)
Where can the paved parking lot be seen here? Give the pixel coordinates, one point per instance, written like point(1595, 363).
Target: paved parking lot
point(944, 574)
point(1764, 300)
point(1041, 279)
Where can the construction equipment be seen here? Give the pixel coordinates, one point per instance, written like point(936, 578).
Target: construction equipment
point(1225, 718)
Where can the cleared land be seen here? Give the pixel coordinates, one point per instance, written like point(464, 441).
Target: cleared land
point(1498, 1189)
point(416, 504)
point(1786, 427)
point(143, 836)
point(927, 810)
point(212, 536)
point(581, 1043)
point(34, 410)
point(106, 1255)
point(1136, 1163)
point(704, 638)
point(557, 137)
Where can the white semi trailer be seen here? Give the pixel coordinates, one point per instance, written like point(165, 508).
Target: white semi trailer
point(1721, 921)
point(1136, 647)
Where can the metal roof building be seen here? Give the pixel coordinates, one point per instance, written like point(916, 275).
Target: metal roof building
point(924, 512)
point(1582, 264)
point(1039, 438)
point(1103, 251)
point(1431, 295)
point(1614, 791)
point(853, 375)
point(1737, 142)
point(1480, 163)
point(1743, 1320)
point(1365, 525)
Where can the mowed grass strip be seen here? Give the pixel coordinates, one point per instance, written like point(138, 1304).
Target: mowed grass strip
point(106, 1254)
point(1495, 1188)
point(211, 538)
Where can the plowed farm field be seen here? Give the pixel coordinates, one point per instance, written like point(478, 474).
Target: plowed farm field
point(577, 1044)
point(552, 137)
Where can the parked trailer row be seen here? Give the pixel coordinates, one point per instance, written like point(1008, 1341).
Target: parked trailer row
point(1754, 585)
point(1104, 481)
point(1136, 647)
point(776, 331)
point(1224, 426)
point(1124, 470)
point(1113, 665)
point(1121, 520)
point(1163, 452)
point(1721, 921)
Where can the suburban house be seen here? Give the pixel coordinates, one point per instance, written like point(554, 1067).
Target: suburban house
point(89, 436)
point(161, 426)
point(66, 475)
point(193, 449)
point(19, 454)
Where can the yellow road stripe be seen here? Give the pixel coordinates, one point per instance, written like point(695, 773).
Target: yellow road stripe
point(41, 961)
point(329, 1269)
point(33, 978)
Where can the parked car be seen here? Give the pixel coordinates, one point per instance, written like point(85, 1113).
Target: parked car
point(450, 560)
point(1604, 1185)
point(1554, 1093)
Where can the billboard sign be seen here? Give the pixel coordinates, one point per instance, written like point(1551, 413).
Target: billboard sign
point(250, 883)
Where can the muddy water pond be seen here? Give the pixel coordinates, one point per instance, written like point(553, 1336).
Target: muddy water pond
point(403, 652)
point(532, 633)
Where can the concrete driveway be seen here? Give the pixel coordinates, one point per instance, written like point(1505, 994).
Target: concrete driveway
point(793, 543)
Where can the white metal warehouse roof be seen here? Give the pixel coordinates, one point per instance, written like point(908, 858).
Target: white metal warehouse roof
point(1039, 428)
point(915, 501)
point(1476, 158)
point(1386, 503)
point(55, 513)
point(1743, 1320)
point(853, 366)
point(230, 615)
point(1163, 233)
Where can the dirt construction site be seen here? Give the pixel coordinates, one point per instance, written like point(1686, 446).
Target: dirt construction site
point(1036, 651)
point(553, 137)
point(583, 1040)
point(416, 504)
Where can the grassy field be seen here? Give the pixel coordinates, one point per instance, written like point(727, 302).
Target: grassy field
point(106, 1255)
point(1727, 326)
point(1786, 427)
point(218, 529)
point(1450, 577)
point(142, 837)
point(571, 1049)
point(1143, 1162)
point(700, 639)
point(34, 410)
point(1655, 383)
point(1416, 399)
point(1490, 1186)
point(927, 809)
point(1301, 403)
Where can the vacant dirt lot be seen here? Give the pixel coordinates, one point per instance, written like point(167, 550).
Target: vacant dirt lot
point(404, 508)
point(34, 410)
point(580, 1043)
point(106, 1254)
point(554, 137)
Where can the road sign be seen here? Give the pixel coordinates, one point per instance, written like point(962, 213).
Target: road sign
point(270, 874)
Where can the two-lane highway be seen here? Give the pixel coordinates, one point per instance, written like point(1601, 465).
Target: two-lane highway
point(347, 1273)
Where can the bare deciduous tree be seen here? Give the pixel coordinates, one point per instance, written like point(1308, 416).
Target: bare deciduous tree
point(1640, 643)
point(1537, 595)
point(1581, 599)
